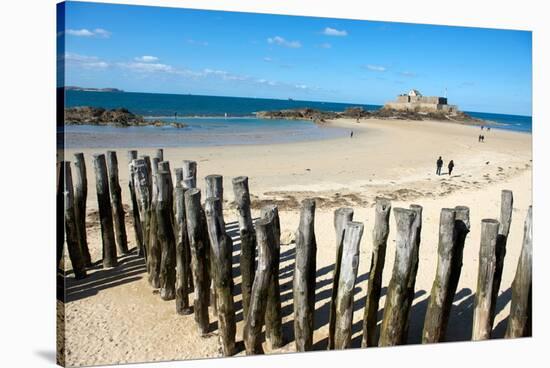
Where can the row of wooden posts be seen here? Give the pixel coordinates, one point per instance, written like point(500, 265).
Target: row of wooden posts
point(186, 248)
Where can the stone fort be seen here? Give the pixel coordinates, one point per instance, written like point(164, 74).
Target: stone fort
point(414, 101)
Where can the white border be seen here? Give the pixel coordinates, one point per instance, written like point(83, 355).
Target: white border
point(27, 85)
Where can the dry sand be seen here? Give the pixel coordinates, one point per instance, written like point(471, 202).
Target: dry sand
point(113, 316)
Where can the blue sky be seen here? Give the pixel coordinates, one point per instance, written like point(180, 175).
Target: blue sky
point(171, 50)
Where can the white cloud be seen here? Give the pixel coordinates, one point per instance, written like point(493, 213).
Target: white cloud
point(301, 86)
point(148, 67)
point(98, 32)
point(278, 40)
point(376, 68)
point(84, 61)
point(325, 45)
point(146, 58)
point(334, 32)
point(80, 32)
point(268, 59)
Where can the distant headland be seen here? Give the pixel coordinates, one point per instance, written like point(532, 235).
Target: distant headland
point(88, 89)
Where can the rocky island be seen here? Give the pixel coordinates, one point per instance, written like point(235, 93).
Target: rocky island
point(120, 117)
point(411, 106)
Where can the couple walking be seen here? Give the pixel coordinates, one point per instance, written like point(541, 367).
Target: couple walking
point(439, 164)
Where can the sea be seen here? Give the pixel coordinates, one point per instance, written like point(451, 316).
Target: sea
point(215, 120)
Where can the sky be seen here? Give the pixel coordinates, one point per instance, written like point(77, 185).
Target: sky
point(181, 51)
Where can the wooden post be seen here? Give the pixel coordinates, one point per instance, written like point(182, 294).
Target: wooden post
point(520, 308)
point(304, 277)
point(159, 154)
point(248, 238)
point(189, 174)
point(379, 241)
point(60, 212)
point(273, 316)
point(221, 253)
point(179, 176)
point(462, 228)
point(80, 197)
point(506, 207)
point(415, 258)
point(116, 203)
point(395, 319)
point(214, 186)
point(147, 160)
point(258, 298)
point(435, 314)
point(198, 241)
point(482, 325)
point(141, 188)
point(138, 231)
point(105, 211)
point(346, 283)
point(186, 249)
point(341, 217)
point(167, 239)
point(154, 251)
point(183, 255)
point(71, 226)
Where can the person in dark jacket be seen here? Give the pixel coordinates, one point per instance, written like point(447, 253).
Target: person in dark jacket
point(451, 166)
point(439, 164)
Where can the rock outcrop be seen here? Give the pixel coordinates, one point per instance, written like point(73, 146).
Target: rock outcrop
point(116, 117)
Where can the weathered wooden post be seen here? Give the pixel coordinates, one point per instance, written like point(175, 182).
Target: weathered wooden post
point(273, 316)
point(80, 197)
point(159, 154)
point(154, 251)
point(71, 226)
point(482, 325)
point(248, 238)
point(346, 283)
point(395, 319)
point(105, 211)
point(304, 277)
point(183, 255)
point(341, 217)
point(435, 314)
point(221, 255)
point(189, 174)
point(506, 207)
point(167, 239)
point(186, 249)
point(116, 203)
point(412, 280)
point(214, 189)
point(147, 160)
point(60, 213)
point(258, 297)
point(198, 241)
point(214, 186)
point(380, 235)
point(138, 231)
point(520, 308)
point(141, 188)
point(179, 176)
point(462, 228)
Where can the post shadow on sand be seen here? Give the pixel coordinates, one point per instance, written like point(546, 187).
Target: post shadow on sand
point(129, 269)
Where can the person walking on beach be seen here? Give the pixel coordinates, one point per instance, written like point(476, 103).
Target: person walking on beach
point(482, 138)
point(451, 166)
point(479, 138)
point(351, 134)
point(439, 164)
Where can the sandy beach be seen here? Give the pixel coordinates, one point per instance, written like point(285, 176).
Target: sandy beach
point(113, 316)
